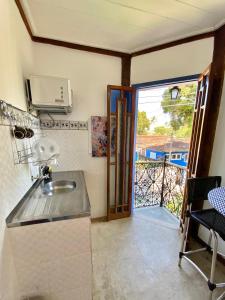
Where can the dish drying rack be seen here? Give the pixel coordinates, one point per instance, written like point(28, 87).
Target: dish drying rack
point(22, 148)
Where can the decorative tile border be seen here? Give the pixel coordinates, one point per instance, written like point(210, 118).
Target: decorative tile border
point(11, 116)
point(63, 125)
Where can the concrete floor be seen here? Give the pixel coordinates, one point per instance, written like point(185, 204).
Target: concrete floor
point(136, 258)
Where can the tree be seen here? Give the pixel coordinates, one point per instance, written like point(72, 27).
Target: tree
point(143, 123)
point(184, 132)
point(163, 130)
point(181, 115)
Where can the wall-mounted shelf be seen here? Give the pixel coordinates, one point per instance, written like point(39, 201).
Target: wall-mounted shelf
point(22, 148)
point(11, 116)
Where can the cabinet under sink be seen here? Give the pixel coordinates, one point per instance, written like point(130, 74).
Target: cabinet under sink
point(49, 233)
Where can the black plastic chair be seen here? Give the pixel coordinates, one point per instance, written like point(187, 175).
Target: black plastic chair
point(197, 190)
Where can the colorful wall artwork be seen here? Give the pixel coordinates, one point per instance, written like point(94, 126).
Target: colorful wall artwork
point(99, 136)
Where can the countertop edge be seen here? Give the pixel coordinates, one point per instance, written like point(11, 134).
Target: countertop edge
point(31, 190)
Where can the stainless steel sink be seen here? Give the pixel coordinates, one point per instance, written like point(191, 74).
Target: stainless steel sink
point(58, 187)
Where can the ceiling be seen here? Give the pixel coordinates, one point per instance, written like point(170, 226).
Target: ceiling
point(123, 25)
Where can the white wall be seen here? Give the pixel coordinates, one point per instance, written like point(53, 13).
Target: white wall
point(187, 59)
point(15, 54)
point(89, 74)
point(15, 63)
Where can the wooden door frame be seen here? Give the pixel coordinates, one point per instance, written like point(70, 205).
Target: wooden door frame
point(199, 122)
point(216, 80)
point(124, 213)
point(158, 83)
point(168, 81)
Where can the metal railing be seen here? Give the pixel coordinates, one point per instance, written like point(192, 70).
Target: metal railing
point(160, 183)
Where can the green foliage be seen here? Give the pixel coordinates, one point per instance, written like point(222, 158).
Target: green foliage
point(143, 123)
point(175, 206)
point(163, 130)
point(184, 131)
point(181, 115)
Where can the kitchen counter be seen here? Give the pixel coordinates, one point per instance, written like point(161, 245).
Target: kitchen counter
point(38, 207)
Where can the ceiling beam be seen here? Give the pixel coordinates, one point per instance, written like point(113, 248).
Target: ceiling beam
point(75, 46)
point(174, 43)
point(23, 16)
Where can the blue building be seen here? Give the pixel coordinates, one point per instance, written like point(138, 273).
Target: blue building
point(175, 152)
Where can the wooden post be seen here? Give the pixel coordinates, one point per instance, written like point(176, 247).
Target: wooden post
point(216, 80)
point(125, 71)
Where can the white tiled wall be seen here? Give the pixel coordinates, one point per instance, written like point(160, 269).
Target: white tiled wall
point(74, 155)
point(53, 260)
point(15, 181)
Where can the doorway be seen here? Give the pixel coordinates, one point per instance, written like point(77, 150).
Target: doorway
point(164, 121)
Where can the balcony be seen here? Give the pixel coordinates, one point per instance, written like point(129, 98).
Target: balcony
point(160, 183)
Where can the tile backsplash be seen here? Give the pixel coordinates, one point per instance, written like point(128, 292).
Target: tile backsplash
point(64, 125)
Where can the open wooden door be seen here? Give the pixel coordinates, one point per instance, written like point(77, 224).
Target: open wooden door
point(196, 150)
point(121, 116)
point(198, 129)
point(207, 107)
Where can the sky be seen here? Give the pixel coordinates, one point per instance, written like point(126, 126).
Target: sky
point(150, 101)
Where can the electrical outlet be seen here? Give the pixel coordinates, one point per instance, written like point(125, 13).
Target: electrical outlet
point(65, 124)
point(48, 124)
point(74, 125)
point(86, 125)
point(57, 124)
point(83, 125)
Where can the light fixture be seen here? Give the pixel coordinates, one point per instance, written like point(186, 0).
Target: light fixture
point(175, 92)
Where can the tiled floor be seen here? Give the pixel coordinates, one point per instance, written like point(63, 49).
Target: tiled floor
point(136, 258)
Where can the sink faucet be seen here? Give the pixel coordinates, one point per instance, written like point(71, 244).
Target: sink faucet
point(45, 173)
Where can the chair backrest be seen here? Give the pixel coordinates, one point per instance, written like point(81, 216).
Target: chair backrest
point(198, 188)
